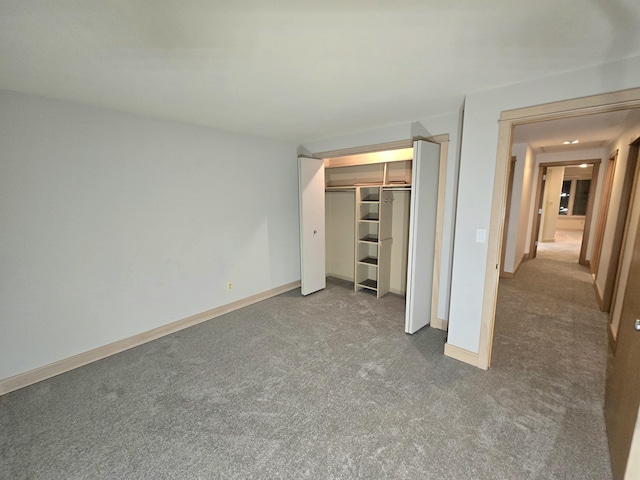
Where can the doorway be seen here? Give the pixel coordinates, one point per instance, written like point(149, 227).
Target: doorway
point(622, 394)
point(611, 102)
point(565, 198)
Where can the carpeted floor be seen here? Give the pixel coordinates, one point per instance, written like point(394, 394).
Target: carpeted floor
point(329, 386)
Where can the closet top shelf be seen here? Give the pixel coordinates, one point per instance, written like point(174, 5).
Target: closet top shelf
point(390, 186)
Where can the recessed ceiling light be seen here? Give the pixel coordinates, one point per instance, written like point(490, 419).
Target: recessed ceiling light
point(574, 141)
point(569, 142)
point(583, 165)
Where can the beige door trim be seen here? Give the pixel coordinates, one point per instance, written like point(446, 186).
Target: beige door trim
point(608, 102)
point(605, 199)
point(507, 213)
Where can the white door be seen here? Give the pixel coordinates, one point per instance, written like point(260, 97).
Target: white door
point(422, 234)
point(312, 253)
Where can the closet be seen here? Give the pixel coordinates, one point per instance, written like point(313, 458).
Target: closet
point(374, 219)
point(367, 220)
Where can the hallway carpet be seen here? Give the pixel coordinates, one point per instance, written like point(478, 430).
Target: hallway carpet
point(329, 386)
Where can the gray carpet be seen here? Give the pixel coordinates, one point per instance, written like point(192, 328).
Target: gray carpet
point(329, 386)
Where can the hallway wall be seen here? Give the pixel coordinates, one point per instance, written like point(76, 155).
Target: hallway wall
point(622, 145)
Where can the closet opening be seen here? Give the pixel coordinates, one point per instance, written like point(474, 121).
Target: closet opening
point(367, 206)
point(381, 213)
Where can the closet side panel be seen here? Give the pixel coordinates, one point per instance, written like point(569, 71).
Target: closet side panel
point(340, 239)
point(400, 246)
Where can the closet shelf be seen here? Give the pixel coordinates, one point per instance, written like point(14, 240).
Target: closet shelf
point(338, 188)
point(370, 284)
point(370, 217)
point(405, 187)
point(350, 188)
point(369, 239)
point(369, 261)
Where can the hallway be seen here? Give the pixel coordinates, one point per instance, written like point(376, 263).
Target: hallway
point(551, 336)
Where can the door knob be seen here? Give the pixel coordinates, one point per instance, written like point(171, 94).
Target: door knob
point(637, 325)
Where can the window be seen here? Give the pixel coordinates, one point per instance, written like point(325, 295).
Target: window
point(564, 197)
point(581, 197)
point(574, 197)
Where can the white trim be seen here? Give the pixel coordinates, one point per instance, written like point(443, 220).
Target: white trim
point(42, 373)
point(437, 258)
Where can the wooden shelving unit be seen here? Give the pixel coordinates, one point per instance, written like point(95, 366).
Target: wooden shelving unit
point(373, 239)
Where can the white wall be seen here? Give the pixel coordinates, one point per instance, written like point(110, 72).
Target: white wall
point(340, 218)
point(400, 245)
point(512, 257)
point(526, 206)
point(442, 124)
point(114, 224)
point(551, 204)
point(570, 223)
point(477, 169)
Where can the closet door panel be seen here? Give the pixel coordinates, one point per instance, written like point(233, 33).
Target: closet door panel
point(422, 234)
point(312, 224)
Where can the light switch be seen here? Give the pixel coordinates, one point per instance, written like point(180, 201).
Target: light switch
point(481, 235)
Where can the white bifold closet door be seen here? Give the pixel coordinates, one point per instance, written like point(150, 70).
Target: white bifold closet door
point(312, 233)
point(422, 234)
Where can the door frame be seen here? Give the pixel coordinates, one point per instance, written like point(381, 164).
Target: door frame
point(608, 102)
point(604, 211)
point(507, 213)
point(537, 213)
point(443, 141)
point(613, 322)
point(605, 298)
point(586, 230)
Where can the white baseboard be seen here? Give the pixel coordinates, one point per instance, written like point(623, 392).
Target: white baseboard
point(461, 354)
point(56, 368)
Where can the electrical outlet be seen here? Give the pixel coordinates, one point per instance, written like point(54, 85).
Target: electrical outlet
point(229, 286)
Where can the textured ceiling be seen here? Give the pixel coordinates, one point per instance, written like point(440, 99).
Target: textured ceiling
point(299, 70)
